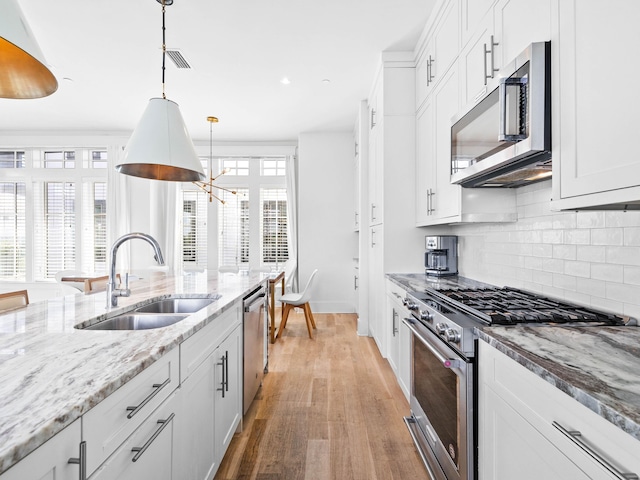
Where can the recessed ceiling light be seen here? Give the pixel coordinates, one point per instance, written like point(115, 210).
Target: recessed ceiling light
point(285, 81)
point(326, 81)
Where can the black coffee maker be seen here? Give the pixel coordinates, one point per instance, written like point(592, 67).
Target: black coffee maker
point(441, 256)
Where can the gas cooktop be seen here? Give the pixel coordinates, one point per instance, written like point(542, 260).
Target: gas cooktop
point(510, 306)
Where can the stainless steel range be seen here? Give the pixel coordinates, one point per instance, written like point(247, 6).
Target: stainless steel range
point(443, 421)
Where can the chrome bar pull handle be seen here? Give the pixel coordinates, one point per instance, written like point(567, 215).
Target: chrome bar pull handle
point(394, 323)
point(373, 118)
point(223, 382)
point(576, 437)
point(521, 82)
point(484, 64)
point(373, 240)
point(373, 212)
point(157, 387)
point(355, 282)
point(81, 461)
point(140, 450)
point(430, 71)
point(226, 370)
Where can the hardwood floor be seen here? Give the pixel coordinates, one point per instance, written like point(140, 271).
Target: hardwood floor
point(329, 409)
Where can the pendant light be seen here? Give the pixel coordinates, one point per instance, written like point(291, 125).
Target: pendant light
point(23, 73)
point(208, 187)
point(160, 147)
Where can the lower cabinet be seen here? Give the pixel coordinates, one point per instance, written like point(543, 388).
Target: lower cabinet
point(51, 460)
point(210, 397)
point(528, 429)
point(149, 452)
point(399, 351)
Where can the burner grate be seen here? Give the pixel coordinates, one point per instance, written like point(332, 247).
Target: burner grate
point(508, 306)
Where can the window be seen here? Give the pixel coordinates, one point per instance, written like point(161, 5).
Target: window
point(55, 228)
point(12, 231)
point(233, 229)
point(12, 159)
point(273, 226)
point(194, 228)
point(273, 166)
point(60, 159)
point(64, 193)
point(236, 166)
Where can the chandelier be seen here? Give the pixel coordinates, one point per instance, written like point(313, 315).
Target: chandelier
point(208, 187)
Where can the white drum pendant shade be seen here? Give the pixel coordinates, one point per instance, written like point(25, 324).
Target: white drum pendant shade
point(23, 73)
point(160, 147)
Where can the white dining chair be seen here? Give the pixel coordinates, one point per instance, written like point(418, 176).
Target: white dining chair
point(292, 300)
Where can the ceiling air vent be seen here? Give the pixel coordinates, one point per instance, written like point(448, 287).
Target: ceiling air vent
point(178, 59)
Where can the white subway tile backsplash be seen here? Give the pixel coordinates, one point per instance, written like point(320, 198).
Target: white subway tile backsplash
point(632, 236)
point(577, 269)
point(606, 236)
point(591, 219)
point(622, 293)
point(607, 272)
point(565, 252)
point(631, 276)
point(588, 257)
point(577, 236)
point(590, 253)
point(623, 255)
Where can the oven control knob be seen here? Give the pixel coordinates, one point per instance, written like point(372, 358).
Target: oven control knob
point(452, 335)
point(441, 328)
point(426, 316)
point(411, 305)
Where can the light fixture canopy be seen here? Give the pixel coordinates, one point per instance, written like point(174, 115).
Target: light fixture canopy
point(23, 73)
point(160, 147)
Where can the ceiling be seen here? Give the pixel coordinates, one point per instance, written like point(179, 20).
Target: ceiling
point(107, 58)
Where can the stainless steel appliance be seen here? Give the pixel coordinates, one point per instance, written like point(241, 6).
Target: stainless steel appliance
point(441, 255)
point(504, 139)
point(254, 343)
point(443, 363)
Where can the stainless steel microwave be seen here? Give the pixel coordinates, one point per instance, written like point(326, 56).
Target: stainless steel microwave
point(504, 138)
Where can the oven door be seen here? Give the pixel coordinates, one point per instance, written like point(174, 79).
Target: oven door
point(441, 419)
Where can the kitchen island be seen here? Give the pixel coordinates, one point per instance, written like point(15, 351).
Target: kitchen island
point(52, 373)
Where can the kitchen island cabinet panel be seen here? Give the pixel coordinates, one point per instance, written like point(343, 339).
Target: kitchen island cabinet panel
point(149, 452)
point(50, 461)
point(594, 112)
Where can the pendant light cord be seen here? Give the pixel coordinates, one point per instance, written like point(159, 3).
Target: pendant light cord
point(164, 48)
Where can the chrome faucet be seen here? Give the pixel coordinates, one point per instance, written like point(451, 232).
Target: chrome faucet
point(112, 292)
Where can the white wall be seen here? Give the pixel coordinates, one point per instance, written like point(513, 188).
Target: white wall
point(325, 218)
point(588, 257)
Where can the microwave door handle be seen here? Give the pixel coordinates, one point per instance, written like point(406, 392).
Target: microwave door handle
point(503, 136)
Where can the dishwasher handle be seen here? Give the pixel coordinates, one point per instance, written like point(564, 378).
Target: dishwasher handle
point(255, 301)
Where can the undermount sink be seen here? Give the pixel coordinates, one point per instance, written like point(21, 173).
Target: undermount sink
point(157, 314)
point(176, 305)
point(134, 321)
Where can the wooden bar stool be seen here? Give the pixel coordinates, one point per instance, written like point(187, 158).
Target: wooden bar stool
point(291, 300)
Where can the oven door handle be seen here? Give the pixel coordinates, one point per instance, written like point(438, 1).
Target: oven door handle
point(446, 362)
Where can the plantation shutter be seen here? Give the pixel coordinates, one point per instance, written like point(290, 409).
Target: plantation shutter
point(274, 248)
point(233, 228)
point(12, 231)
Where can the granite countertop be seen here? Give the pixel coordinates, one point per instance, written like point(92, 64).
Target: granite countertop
point(597, 366)
point(51, 373)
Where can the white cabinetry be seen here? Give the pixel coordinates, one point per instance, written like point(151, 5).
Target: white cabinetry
point(392, 237)
point(594, 111)
point(51, 460)
point(399, 336)
point(525, 424)
point(106, 426)
point(211, 395)
point(149, 452)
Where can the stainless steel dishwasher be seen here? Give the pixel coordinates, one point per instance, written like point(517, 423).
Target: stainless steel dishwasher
point(254, 343)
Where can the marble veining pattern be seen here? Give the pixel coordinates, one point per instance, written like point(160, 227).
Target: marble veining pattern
point(419, 282)
point(51, 373)
point(595, 366)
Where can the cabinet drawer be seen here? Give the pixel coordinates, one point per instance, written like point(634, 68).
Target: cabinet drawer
point(114, 419)
point(195, 349)
point(548, 409)
point(395, 291)
point(148, 452)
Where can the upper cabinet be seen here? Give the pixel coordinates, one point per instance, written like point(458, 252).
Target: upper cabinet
point(594, 107)
point(437, 200)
